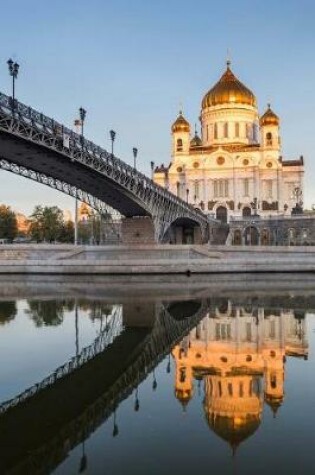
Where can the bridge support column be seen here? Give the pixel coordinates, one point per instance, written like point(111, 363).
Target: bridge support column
point(138, 230)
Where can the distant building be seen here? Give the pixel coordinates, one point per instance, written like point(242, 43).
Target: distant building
point(235, 167)
point(23, 223)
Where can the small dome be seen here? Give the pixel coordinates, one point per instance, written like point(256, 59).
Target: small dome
point(269, 118)
point(196, 141)
point(181, 124)
point(228, 90)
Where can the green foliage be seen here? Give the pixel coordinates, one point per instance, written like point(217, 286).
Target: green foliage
point(46, 312)
point(8, 223)
point(8, 312)
point(67, 232)
point(47, 224)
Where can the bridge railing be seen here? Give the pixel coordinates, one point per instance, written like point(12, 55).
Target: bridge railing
point(76, 141)
point(106, 337)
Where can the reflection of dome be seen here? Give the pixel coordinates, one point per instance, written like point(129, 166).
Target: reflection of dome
point(274, 403)
point(269, 118)
point(183, 396)
point(233, 430)
point(181, 124)
point(233, 406)
point(228, 90)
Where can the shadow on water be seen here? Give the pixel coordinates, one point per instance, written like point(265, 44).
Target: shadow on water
point(234, 341)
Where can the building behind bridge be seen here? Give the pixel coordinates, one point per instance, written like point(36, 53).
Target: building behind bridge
point(233, 169)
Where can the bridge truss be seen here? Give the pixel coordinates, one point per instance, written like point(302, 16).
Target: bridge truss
point(149, 199)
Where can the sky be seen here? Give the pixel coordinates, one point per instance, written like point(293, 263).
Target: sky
point(131, 64)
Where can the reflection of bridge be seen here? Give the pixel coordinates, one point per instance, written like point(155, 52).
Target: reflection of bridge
point(37, 147)
point(56, 416)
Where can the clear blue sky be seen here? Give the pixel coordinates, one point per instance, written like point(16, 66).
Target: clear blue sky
point(131, 63)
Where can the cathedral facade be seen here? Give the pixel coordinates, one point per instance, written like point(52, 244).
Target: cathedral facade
point(234, 168)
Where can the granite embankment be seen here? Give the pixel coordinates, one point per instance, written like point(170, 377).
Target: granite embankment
point(158, 259)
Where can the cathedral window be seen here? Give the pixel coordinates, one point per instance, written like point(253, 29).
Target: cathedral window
point(230, 389)
point(269, 138)
point(196, 190)
point(226, 130)
point(237, 129)
point(221, 188)
point(273, 381)
point(248, 331)
point(215, 189)
point(249, 131)
point(246, 186)
point(215, 131)
point(269, 189)
point(179, 145)
point(207, 133)
point(182, 376)
point(272, 333)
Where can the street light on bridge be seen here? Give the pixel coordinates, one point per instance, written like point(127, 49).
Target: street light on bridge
point(82, 113)
point(112, 134)
point(13, 71)
point(135, 154)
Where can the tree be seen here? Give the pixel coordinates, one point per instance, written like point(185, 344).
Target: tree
point(8, 312)
point(46, 223)
point(67, 232)
point(46, 312)
point(8, 223)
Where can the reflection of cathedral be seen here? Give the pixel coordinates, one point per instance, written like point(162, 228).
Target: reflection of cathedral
point(240, 355)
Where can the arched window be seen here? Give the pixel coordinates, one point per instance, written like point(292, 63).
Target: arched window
point(269, 138)
point(237, 129)
point(249, 131)
point(207, 133)
point(226, 130)
point(179, 145)
point(215, 131)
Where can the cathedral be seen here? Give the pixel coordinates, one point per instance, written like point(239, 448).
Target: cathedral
point(234, 168)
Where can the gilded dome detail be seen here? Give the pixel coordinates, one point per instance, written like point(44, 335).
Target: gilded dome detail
point(269, 118)
point(229, 90)
point(181, 124)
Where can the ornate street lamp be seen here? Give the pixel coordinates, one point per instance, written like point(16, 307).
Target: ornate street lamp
point(112, 134)
point(152, 169)
point(187, 194)
point(13, 71)
point(135, 153)
point(82, 113)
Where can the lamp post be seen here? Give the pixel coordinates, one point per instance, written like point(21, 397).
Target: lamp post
point(112, 134)
point(187, 194)
point(82, 113)
point(13, 71)
point(135, 154)
point(152, 169)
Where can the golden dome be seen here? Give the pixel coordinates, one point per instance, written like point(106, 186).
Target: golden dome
point(181, 124)
point(269, 118)
point(228, 90)
point(233, 430)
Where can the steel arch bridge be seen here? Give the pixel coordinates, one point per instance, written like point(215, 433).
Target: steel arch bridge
point(39, 148)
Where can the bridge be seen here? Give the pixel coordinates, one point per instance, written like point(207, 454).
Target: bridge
point(37, 147)
point(106, 373)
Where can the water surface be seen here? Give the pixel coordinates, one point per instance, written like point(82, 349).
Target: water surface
point(139, 377)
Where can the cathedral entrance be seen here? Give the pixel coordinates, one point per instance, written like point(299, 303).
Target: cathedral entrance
point(246, 212)
point(221, 214)
point(251, 236)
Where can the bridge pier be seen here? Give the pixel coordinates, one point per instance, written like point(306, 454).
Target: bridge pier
point(138, 230)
